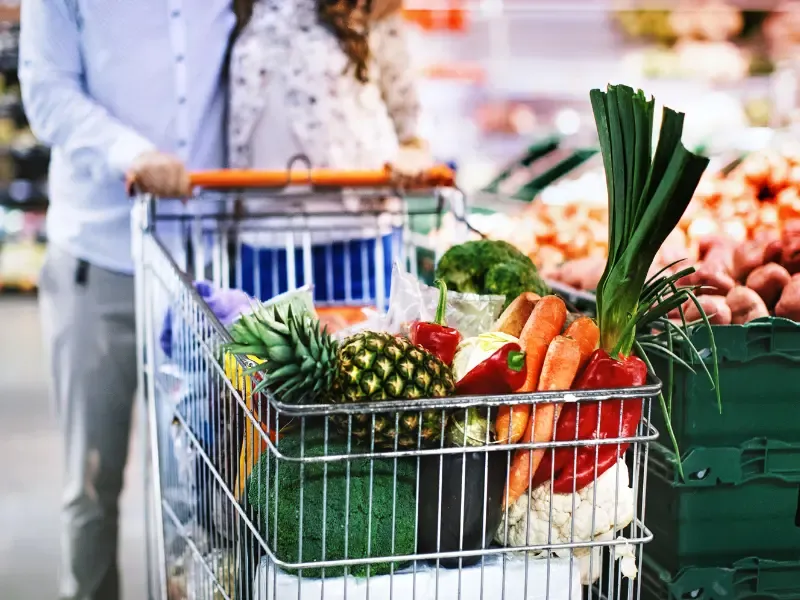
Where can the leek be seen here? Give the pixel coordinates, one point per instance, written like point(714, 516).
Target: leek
point(648, 192)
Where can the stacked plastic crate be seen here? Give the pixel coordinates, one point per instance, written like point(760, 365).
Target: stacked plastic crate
point(731, 528)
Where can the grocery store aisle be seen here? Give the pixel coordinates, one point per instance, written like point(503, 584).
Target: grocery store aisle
point(30, 468)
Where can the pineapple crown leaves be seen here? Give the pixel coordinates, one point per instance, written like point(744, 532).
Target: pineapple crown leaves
point(298, 355)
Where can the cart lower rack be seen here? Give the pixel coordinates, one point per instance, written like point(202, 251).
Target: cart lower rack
point(252, 496)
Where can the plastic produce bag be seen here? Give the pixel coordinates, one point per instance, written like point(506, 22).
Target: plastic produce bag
point(412, 300)
point(191, 388)
point(189, 577)
point(226, 304)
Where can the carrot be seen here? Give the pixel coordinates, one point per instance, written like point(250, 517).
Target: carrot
point(584, 331)
point(544, 324)
point(558, 372)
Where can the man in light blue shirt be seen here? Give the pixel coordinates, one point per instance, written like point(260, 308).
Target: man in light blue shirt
point(119, 90)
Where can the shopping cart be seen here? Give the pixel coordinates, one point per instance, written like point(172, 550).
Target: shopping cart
point(220, 459)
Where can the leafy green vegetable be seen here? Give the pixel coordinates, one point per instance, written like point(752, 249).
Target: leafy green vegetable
point(391, 534)
point(490, 267)
point(647, 195)
point(646, 200)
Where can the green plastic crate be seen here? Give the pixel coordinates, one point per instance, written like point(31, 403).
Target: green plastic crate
point(734, 503)
point(759, 364)
point(747, 579)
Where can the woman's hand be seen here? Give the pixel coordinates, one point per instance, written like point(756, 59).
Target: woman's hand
point(413, 160)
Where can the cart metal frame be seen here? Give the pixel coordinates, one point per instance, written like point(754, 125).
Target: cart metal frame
point(206, 432)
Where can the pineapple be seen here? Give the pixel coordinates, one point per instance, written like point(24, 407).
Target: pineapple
point(303, 363)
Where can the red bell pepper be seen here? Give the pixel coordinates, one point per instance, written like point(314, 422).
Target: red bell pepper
point(501, 373)
point(587, 467)
point(594, 420)
point(437, 338)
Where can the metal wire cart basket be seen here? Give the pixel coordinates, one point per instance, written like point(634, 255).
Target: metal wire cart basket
point(250, 496)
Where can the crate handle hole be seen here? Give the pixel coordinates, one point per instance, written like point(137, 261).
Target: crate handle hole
point(797, 510)
point(693, 595)
point(700, 475)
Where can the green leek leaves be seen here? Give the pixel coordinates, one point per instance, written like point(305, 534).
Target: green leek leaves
point(647, 196)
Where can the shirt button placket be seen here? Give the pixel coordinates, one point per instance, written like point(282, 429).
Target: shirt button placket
point(178, 32)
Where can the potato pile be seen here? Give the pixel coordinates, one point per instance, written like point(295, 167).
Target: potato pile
point(782, 29)
point(750, 204)
point(740, 282)
point(757, 197)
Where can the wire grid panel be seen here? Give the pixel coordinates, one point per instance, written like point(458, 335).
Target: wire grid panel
point(190, 425)
point(253, 498)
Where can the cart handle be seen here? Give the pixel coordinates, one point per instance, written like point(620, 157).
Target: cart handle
point(439, 176)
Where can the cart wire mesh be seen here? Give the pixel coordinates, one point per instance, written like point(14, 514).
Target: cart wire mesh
point(250, 497)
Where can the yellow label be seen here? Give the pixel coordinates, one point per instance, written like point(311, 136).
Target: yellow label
point(248, 457)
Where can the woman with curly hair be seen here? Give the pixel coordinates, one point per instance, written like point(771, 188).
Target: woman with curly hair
point(330, 80)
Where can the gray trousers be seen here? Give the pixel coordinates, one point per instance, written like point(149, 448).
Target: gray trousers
point(88, 318)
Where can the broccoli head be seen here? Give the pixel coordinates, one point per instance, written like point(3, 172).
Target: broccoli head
point(512, 279)
point(490, 267)
point(325, 501)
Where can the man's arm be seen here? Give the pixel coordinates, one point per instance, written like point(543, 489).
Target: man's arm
point(58, 109)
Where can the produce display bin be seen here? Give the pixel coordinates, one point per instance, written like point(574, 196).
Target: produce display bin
point(758, 368)
point(533, 153)
point(529, 191)
point(538, 172)
point(746, 579)
point(735, 502)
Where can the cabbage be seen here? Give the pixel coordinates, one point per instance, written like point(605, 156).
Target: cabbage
point(473, 351)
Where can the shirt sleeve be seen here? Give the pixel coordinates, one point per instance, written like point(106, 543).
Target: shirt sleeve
point(60, 112)
point(248, 81)
point(396, 75)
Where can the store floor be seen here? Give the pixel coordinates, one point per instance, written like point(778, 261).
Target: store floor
point(30, 465)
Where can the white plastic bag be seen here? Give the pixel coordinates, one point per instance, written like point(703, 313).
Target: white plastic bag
point(412, 300)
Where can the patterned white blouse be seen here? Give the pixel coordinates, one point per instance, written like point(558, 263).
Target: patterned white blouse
point(291, 93)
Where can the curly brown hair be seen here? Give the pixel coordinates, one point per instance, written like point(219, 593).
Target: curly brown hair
point(341, 18)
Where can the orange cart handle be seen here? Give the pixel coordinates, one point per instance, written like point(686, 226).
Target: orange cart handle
point(439, 176)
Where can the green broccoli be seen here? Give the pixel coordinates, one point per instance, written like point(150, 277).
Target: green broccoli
point(513, 279)
point(490, 267)
point(286, 492)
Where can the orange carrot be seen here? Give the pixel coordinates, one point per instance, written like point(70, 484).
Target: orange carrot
point(584, 331)
point(544, 324)
point(558, 372)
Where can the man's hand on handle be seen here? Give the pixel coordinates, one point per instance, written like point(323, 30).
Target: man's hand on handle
point(159, 174)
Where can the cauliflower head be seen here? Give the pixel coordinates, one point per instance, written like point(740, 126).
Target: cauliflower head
point(600, 510)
